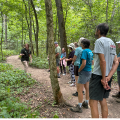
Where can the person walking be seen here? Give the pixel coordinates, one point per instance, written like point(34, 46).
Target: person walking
point(57, 55)
point(71, 46)
point(63, 62)
point(105, 65)
point(25, 54)
point(85, 69)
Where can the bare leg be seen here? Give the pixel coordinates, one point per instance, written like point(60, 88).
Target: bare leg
point(87, 90)
point(104, 108)
point(76, 79)
point(94, 108)
point(80, 94)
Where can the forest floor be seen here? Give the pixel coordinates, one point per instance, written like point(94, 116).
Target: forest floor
point(40, 97)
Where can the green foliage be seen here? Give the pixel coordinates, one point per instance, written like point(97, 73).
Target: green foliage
point(12, 82)
point(39, 62)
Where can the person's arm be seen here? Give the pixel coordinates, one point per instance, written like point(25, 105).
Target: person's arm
point(74, 59)
point(114, 68)
point(103, 69)
point(30, 58)
point(56, 54)
point(92, 62)
point(21, 54)
point(70, 59)
point(82, 65)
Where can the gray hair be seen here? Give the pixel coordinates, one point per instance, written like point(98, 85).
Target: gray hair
point(79, 42)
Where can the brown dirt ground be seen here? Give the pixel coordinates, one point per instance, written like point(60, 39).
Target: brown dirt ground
point(40, 95)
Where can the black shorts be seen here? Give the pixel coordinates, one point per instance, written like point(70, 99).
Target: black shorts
point(96, 90)
point(76, 70)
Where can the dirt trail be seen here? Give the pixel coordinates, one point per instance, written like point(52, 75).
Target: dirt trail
point(40, 95)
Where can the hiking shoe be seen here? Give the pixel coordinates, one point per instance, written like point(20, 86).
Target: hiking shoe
point(72, 85)
point(75, 94)
point(83, 92)
point(85, 105)
point(76, 109)
point(58, 76)
point(69, 82)
point(118, 100)
point(48, 70)
point(116, 95)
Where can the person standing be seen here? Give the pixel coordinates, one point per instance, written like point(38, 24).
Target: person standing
point(118, 75)
point(62, 61)
point(85, 69)
point(76, 61)
point(71, 46)
point(25, 54)
point(57, 55)
point(105, 65)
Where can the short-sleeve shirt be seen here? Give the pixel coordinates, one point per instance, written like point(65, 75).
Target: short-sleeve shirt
point(26, 53)
point(107, 47)
point(71, 55)
point(118, 69)
point(63, 55)
point(88, 56)
point(58, 50)
point(78, 53)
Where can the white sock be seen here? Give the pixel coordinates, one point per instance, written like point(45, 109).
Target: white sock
point(80, 104)
point(86, 101)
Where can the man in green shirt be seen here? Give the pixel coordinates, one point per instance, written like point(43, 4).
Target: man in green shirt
point(57, 55)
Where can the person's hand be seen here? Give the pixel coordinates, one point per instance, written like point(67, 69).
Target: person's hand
point(60, 59)
point(66, 60)
point(78, 70)
point(105, 84)
point(72, 62)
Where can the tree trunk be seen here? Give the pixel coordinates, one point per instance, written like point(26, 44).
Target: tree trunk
point(37, 27)
point(22, 27)
point(53, 72)
point(56, 29)
point(5, 17)
point(30, 29)
point(2, 35)
point(63, 38)
point(107, 12)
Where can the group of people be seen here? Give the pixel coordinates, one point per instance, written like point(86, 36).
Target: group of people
point(97, 84)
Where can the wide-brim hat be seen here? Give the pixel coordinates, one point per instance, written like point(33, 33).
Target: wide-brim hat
point(118, 42)
point(71, 45)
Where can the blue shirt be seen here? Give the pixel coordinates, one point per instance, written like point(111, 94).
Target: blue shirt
point(78, 53)
point(118, 69)
point(88, 56)
point(63, 55)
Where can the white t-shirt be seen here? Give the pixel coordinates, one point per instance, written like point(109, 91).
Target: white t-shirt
point(107, 47)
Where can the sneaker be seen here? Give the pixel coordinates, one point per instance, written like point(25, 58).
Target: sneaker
point(58, 76)
point(118, 100)
point(76, 109)
point(64, 74)
point(75, 94)
point(116, 95)
point(72, 85)
point(83, 92)
point(69, 82)
point(85, 105)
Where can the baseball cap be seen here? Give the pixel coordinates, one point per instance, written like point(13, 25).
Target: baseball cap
point(55, 42)
point(71, 45)
point(118, 42)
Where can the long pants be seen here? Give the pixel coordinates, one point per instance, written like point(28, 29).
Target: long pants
point(63, 68)
point(71, 70)
point(25, 63)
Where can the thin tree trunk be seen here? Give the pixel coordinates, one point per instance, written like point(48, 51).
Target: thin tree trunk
point(2, 35)
point(22, 27)
point(30, 29)
point(37, 27)
point(5, 30)
point(53, 73)
point(107, 12)
point(56, 29)
point(63, 37)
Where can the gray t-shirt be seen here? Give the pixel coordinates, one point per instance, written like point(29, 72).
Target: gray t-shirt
point(107, 47)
